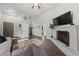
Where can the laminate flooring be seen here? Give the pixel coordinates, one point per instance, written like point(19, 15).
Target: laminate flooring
point(48, 48)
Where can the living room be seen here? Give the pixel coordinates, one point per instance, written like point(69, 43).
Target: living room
point(23, 24)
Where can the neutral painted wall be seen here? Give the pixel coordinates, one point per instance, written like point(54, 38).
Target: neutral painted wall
point(16, 20)
point(46, 18)
point(37, 30)
point(0, 24)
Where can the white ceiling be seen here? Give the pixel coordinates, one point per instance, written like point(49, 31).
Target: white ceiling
point(27, 8)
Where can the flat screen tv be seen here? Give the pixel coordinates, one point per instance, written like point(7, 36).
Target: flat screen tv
point(63, 19)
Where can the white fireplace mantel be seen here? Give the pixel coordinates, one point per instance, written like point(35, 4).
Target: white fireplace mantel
point(73, 35)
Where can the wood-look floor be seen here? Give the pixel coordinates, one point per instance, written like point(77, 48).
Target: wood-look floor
point(51, 49)
point(48, 48)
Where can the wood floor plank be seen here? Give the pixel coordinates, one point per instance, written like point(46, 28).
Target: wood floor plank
point(51, 49)
point(48, 48)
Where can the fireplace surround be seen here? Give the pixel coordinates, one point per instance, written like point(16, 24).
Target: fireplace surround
point(73, 35)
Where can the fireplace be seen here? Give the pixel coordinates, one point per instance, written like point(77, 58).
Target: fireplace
point(63, 36)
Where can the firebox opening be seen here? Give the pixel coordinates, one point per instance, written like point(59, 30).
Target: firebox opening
point(63, 36)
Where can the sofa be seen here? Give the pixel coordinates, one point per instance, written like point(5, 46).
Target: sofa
point(5, 47)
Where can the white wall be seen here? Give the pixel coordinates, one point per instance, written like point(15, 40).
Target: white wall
point(46, 18)
point(0, 24)
point(37, 28)
point(16, 20)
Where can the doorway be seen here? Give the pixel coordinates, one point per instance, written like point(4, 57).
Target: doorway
point(8, 29)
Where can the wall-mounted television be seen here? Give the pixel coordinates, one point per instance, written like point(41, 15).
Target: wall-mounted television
point(63, 19)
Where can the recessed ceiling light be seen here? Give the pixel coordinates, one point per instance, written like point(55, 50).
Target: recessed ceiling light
point(11, 12)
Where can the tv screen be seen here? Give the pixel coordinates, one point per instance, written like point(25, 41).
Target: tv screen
point(63, 19)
